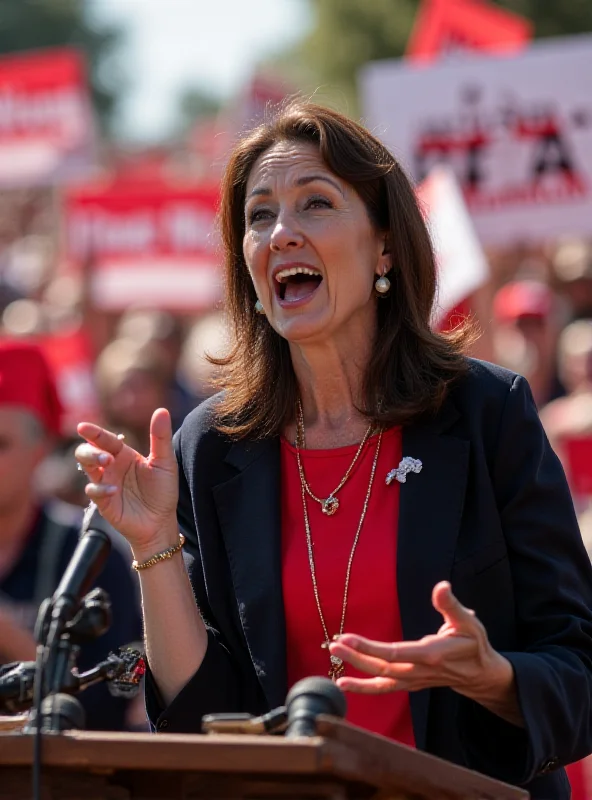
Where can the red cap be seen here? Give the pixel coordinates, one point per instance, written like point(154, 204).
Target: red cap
point(522, 299)
point(26, 382)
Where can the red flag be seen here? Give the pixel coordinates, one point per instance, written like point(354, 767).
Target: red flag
point(443, 26)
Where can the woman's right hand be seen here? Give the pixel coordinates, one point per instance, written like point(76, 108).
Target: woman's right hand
point(135, 494)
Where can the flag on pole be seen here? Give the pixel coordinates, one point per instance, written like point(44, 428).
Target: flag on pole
point(443, 27)
point(462, 265)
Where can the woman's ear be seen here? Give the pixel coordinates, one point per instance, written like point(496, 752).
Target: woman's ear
point(386, 263)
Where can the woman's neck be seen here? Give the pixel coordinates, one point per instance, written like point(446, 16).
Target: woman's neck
point(330, 380)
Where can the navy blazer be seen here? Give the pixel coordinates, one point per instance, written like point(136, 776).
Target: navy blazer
point(490, 511)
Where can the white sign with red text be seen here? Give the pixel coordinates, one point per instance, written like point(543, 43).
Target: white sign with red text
point(46, 125)
point(146, 244)
point(516, 130)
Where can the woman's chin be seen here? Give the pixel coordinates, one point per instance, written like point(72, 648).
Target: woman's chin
point(303, 327)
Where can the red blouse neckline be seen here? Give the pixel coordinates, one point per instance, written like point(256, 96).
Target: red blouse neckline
point(337, 451)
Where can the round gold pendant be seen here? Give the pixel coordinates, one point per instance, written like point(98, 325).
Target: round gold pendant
point(330, 506)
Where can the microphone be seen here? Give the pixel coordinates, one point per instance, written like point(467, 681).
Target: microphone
point(307, 699)
point(122, 670)
point(61, 712)
point(85, 565)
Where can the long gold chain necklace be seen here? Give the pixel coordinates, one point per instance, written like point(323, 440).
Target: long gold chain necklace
point(336, 668)
point(330, 504)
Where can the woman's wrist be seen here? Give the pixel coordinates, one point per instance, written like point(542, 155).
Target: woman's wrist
point(496, 690)
point(166, 537)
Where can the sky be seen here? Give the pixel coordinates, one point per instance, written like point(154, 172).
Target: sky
point(171, 44)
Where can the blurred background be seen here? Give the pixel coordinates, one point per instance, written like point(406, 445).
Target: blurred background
point(115, 120)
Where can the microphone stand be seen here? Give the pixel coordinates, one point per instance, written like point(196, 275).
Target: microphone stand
point(58, 646)
point(53, 711)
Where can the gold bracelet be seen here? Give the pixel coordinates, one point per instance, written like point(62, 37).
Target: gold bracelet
point(162, 556)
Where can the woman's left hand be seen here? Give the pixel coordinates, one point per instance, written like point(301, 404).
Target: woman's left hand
point(459, 656)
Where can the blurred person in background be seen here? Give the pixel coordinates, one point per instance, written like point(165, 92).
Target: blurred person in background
point(132, 381)
point(162, 329)
point(572, 267)
point(570, 416)
point(37, 539)
point(526, 317)
point(207, 337)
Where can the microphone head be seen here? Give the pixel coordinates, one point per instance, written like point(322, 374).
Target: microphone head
point(62, 712)
point(128, 681)
point(326, 696)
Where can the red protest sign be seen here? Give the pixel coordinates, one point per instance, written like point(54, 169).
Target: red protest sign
point(445, 26)
point(46, 128)
point(148, 244)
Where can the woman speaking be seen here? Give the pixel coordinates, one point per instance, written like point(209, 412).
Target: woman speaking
point(361, 500)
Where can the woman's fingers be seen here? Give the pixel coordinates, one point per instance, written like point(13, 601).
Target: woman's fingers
point(453, 657)
point(103, 439)
point(371, 664)
point(453, 611)
point(370, 685)
point(367, 646)
point(100, 491)
point(90, 457)
point(428, 651)
point(161, 436)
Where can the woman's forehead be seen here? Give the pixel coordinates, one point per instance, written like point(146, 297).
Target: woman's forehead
point(284, 163)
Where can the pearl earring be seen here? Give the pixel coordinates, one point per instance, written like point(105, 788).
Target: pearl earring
point(382, 285)
point(259, 307)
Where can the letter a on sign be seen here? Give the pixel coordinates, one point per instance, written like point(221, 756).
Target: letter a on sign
point(446, 26)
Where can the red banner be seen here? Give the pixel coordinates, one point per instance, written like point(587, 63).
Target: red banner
point(445, 26)
point(46, 129)
point(146, 244)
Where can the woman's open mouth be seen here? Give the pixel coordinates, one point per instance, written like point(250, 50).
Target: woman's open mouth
point(296, 284)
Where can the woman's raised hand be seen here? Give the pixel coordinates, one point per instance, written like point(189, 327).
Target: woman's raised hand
point(459, 656)
point(137, 495)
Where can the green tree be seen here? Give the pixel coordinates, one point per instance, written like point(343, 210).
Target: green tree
point(32, 24)
point(553, 17)
point(195, 103)
point(346, 34)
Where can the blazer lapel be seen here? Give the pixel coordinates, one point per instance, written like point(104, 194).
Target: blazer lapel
point(430, 510)
point(248, 508)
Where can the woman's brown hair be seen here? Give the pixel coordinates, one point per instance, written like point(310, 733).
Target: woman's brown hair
point(411, 365)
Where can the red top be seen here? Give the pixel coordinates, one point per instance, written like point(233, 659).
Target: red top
point(373, 603)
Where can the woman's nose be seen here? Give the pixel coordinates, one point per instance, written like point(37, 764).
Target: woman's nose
point(284, 235)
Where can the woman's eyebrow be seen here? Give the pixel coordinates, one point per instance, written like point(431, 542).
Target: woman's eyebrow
point(311, 178)
point(303, 181)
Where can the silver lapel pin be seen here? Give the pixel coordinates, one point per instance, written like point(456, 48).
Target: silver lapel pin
point(406, 466)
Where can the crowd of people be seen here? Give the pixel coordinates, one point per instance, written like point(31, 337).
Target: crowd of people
point(541, 325)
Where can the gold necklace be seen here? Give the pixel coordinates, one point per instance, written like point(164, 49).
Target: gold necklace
point(336, 668)
point(331, 504)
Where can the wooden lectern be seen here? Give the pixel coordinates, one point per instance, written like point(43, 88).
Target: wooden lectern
point(341, 762)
